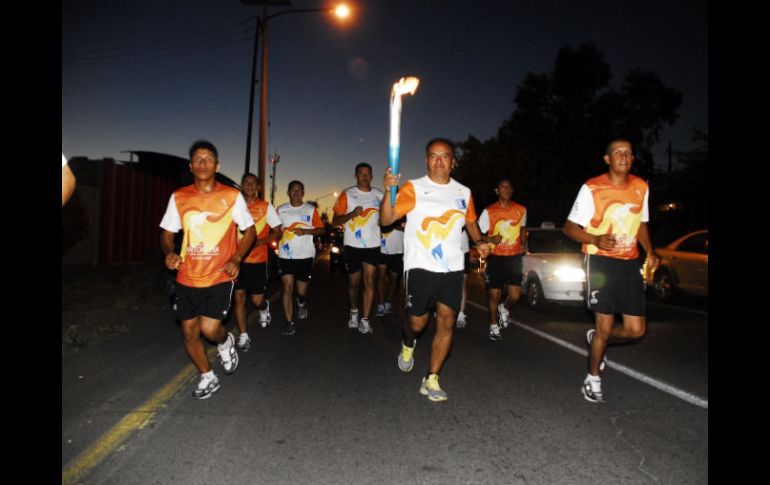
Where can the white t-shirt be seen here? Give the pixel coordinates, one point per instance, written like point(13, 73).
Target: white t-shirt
point(362, 231)
point(392, 242)
point(292, 246)
point(63, 160)
point(435, 216)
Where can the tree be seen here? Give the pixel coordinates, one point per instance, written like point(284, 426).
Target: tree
point(554, 139)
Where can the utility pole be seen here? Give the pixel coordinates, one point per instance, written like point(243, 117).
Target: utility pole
point(257, 26)
point(274, 161)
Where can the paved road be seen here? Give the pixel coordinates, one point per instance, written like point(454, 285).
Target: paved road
point(329, 405)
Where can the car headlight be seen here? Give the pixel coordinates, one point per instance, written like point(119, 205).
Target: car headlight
point(569, 274)
point(335, 249)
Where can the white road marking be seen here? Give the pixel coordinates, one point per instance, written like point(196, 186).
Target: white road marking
point(668, 388)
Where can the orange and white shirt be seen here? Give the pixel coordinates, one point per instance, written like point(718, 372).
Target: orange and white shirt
point(603, 208)
point(362, 231)
point(292, 246)
point(506, 222)
point(435, 216)
point(265, 217)
point(208, 220)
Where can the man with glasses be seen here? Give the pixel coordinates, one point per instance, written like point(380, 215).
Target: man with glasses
point(209, 263)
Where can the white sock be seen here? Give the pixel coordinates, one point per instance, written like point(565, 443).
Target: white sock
point(244, 333)
point(209, 374)
point(594, 378)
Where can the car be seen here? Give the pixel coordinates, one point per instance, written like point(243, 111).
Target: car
point(684, 266)
point(552, 267)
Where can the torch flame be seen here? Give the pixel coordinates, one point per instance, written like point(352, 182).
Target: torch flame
point(405, 85)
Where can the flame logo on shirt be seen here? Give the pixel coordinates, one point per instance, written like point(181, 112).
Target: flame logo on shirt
point(434, 231)
point(622, 220)
point(288, 235)
point(260, 222)
point(508, 231)
point(204, 230)
point(359, 222)
point(259, 216)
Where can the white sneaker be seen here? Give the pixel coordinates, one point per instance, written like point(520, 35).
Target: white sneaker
point(206, 387)
point(364, 327)
point(388, 308)
point(494, 333)
point(353, 320)
point(264, 315)
point(227, 354)
point(461, 323)
point(503, 315)
point(244, 342)
point(592, 389)
point(301, 311)
point(380, 311)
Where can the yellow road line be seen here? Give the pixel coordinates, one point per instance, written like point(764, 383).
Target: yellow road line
point(136, 419)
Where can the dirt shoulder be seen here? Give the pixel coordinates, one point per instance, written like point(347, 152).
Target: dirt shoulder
point(101, 302)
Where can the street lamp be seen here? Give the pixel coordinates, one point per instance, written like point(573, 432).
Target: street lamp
point(315, 201)
point(340, 11)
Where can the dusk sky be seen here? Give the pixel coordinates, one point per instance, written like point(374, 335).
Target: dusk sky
point(157, 75)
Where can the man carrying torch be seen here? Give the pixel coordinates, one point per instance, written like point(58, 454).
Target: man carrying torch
point(436, 209)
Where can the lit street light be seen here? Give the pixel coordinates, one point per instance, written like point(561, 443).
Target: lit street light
point(315, 201)
point(341, 12)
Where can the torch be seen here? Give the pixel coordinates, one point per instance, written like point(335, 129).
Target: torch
point(405, 85)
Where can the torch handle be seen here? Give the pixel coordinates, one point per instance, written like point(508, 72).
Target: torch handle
point(393, 160)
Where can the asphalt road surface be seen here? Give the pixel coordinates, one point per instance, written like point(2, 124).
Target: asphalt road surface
point(330, 406)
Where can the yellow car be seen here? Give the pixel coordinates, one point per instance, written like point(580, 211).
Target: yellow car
point(684, 266)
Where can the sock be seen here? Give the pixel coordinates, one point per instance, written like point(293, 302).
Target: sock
point(209, 374)
point(245, 333)
point(594, 378)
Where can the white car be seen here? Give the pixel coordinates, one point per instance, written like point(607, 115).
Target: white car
point(552, 267)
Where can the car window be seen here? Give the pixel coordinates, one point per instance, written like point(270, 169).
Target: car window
point(694, 244)
point(551, 242)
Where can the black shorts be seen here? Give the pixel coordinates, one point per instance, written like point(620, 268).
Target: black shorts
point(426, 288)
point(615, 285)
point(467, 263)
point(302, 269)
point(394, 262)
point(353, 258)
point(252, 278)
point(503, 270)
point(212, 301)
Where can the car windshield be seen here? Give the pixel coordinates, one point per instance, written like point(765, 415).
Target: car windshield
point(551, 242)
